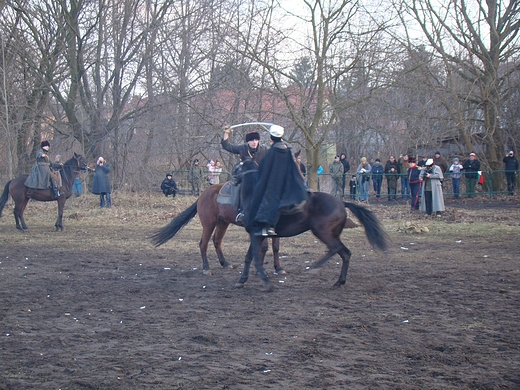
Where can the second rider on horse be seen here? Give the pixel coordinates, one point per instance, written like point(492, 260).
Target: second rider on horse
point(41, 176)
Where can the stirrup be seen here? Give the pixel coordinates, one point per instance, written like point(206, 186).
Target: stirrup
point(270, 231)
point(239, 217)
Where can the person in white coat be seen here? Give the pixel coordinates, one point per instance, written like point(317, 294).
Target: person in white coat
point(432, 200)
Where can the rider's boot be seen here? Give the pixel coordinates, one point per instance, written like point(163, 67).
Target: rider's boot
point(55, 190)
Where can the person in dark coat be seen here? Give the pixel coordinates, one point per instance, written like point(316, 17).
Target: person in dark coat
point(377, 177)
point(471, 168)
point(101, 183)
point(510, 166)
point(251, 149)
point(346, 167)
point(40, 177)
point(392, 171)
point(440, 162)
point(168, 186)
point(279, 185)
point(415, 183)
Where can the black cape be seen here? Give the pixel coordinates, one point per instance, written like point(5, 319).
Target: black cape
point(279, 185)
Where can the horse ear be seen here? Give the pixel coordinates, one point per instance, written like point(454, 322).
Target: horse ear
point(297, 153)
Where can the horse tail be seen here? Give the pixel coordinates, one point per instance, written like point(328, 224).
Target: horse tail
point(3, 198)
point(373, 228)
point(164, 234)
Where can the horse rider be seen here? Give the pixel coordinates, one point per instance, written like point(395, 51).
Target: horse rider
point(250, 150)
point(279, 186)
point(41, 176)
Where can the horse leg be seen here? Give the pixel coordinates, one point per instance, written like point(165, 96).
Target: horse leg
point(220, 231)
point(345, 256)
point(335, 246)
point(276, 257)
point(247, 266)
point(203, 246)
point(19, 207)
point(61, 206)
point(253, 253)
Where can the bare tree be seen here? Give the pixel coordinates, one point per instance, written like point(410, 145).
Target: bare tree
point(325, 54)
point(475, 42)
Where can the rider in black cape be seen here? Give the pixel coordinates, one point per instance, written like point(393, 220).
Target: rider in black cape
point(279, 185)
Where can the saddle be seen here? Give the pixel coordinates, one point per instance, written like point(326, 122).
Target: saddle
point(228, 194)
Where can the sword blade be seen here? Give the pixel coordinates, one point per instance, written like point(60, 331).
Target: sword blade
point(264, 124)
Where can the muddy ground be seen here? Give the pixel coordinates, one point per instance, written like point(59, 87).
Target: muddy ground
point(98, 307)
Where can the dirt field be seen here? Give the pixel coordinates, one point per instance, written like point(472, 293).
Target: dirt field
point(98, 307)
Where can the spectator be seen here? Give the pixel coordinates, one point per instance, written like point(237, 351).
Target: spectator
point(168, 186)
point(101, 183)
point(415, 183)
point(353, 186)
point(432, 200)
point(392, 170)
point(440, 162)
point(403, 169)
point(214, 172)
point(195, 175)
point(455, 172)
point(363, 172)
point(346, 167)
point(336, 175)
point(471, 170)
point(303, 168)
point(377, 177)
point(510, 166)
point(421, 163)
point(221, 177)
point(77, 187)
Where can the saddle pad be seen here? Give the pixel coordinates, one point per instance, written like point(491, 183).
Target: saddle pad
point(224, 195)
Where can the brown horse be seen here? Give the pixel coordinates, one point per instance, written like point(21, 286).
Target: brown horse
point(21, 194)
point(213, 217)
point(324, 215)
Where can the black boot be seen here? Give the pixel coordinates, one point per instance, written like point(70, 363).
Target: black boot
point(55, 190)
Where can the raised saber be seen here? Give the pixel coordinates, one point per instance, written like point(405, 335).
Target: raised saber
point(265, 125)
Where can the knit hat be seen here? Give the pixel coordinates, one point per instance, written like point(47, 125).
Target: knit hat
point(472, 154)
point(168, 175)
point(437, 152)
point(252, 135)
point(45, 143)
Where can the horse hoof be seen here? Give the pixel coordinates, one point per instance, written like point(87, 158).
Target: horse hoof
point(337, 285)
point(313, 270)
point(207, 272)
point(239, 285)
point(268, 288)
point(280, 271)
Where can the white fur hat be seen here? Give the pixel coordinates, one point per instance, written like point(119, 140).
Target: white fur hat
point(276, 131)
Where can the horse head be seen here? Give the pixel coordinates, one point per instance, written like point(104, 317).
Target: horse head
point(78, 163)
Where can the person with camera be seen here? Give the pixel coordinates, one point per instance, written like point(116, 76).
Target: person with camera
point(101, 183)
point(432, 200)
point(510, 166)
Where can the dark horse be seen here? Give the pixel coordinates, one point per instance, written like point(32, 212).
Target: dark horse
point(21, 194)
point(213, 217)
point(325, 216)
